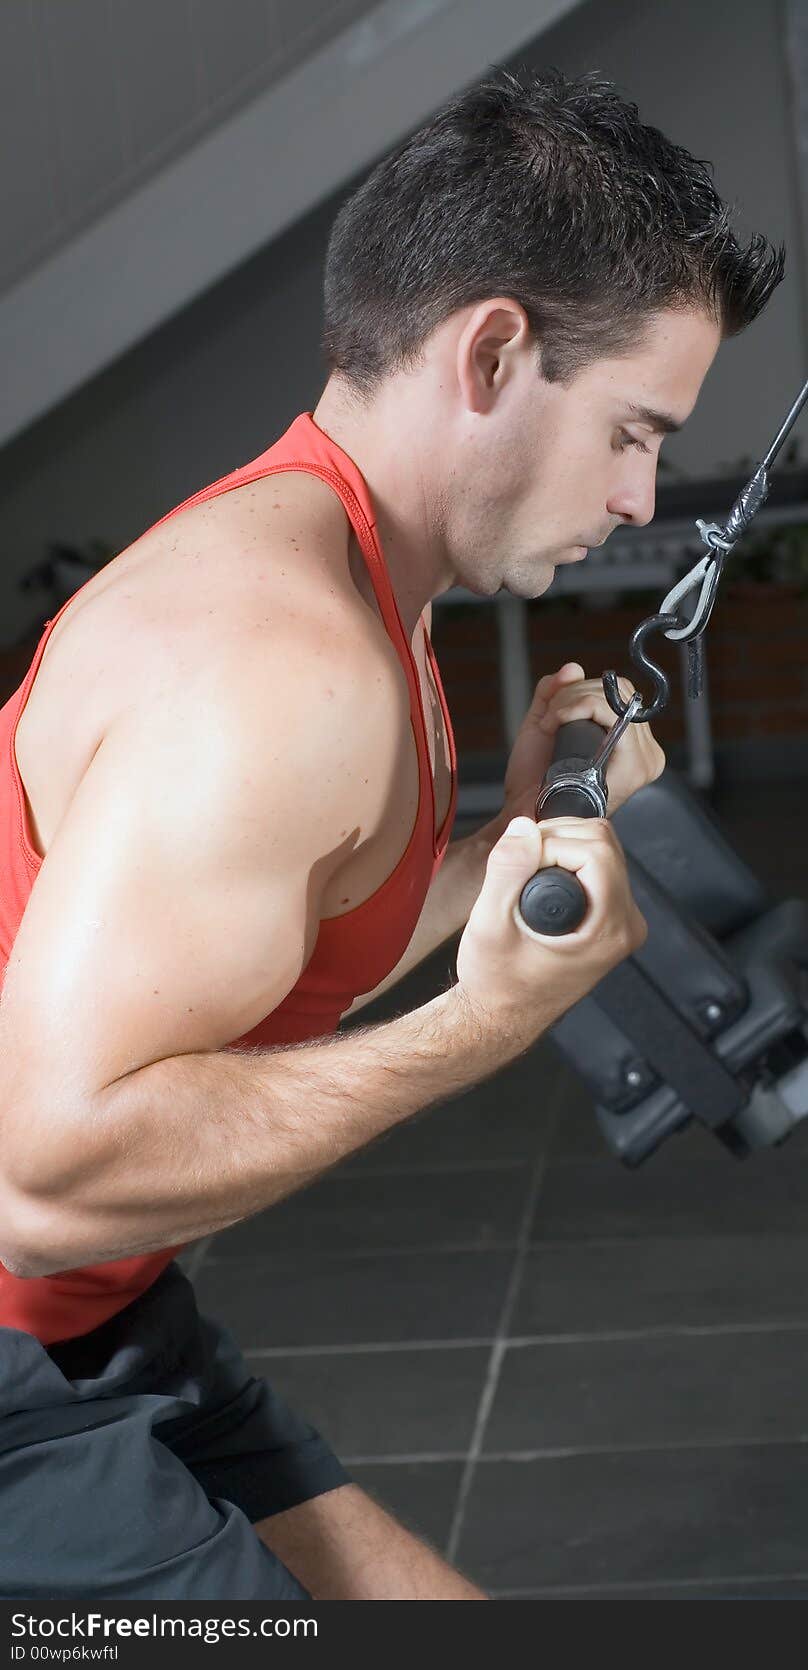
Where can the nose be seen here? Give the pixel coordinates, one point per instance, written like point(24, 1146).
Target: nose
point(633, 499)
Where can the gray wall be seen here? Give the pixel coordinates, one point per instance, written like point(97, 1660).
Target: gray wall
point(712, 75)
point(205, 393)
point(202, 395)
point(218, 383)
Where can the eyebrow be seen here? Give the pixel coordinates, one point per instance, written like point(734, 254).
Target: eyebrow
point(661, 421)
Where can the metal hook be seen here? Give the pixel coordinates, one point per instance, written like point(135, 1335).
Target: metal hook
point(720, 542)
point(661, 682)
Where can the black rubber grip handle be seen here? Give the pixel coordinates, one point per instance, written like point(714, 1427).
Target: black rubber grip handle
point(579, 740)
point(553, 900)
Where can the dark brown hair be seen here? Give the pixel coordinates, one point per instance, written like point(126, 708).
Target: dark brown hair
point(548, 190)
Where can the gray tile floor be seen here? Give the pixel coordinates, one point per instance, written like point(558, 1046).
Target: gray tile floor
point(577, 1381)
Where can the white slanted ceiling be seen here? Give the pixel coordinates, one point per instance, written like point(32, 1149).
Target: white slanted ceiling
point(151, 146)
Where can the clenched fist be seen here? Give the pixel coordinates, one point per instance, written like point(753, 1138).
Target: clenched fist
point(560, 697)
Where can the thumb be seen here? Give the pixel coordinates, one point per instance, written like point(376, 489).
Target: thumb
point(518, 850)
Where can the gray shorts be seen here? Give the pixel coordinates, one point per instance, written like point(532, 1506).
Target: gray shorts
point(134, 1460)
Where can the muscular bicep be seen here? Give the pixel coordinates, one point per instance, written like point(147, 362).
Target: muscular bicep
point(176, 907)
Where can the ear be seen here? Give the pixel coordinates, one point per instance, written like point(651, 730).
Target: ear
point(490, 346)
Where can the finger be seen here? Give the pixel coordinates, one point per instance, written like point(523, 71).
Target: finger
point(568, 674)
point(586, 701)
point(567, 821)
point(574, 829)
point(564, 823)
point(594, 687)
point(572, 850)
point(638, 741)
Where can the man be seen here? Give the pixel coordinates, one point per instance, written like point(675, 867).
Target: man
point(243, 833)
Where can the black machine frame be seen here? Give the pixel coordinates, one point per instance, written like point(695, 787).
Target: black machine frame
point(709, 1020)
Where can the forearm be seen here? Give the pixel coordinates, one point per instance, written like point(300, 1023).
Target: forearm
point(184, 1147)
point(447, 906)
point(446, 909)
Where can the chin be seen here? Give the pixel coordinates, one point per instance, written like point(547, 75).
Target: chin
point(543, 580)
point(477, 588)
point(530, 587)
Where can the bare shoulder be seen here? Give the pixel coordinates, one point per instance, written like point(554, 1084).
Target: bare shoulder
point(281, 534)
point(180, 898)
point(304, 682)
point(293, 685)
point(253, 748)
point(293, 656)
point(267, 553)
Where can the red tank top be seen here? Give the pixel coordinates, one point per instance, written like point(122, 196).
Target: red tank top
point(352, 954)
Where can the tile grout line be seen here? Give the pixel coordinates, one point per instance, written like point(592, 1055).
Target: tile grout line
point(291, 1255)
point(500, 1343)
point(282, 1256)
point(670, 1446)
point(653, 1447)
point(662, 1331)
point(545, 1243)
point(640, 1588)
point(418, 1458)
point(569, 1452)
point(366, 1347)
point(517, 1342)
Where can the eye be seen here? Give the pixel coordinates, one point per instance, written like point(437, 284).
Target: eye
point(627, 440)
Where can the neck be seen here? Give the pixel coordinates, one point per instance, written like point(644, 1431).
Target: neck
point(392, 451)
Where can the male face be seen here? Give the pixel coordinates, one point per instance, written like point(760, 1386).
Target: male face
point(553, 471)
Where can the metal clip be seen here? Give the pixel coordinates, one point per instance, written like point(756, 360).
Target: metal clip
point(586, 777)
point(661, 682)
point(613, 736)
